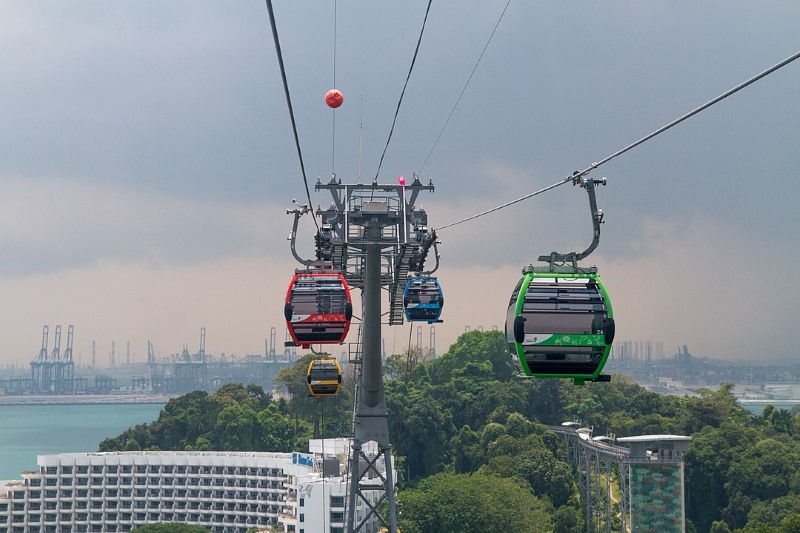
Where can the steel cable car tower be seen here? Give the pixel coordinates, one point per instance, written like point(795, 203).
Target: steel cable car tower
point(371, 234)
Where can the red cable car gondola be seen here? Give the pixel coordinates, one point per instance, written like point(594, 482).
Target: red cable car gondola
point(318, 308)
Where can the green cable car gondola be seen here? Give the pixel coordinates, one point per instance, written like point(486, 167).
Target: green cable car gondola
point(559, 322)
point(324, 377)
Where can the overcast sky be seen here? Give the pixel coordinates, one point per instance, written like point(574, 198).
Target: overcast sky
point(147, 161)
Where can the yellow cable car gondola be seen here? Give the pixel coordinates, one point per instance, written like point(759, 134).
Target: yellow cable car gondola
point(324, 377)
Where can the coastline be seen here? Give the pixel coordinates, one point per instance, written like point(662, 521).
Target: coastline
point(86, 399)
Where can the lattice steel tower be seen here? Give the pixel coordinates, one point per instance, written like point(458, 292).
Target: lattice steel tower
point(373, 235)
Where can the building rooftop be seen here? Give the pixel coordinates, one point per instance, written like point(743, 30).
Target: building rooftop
point(654, 438)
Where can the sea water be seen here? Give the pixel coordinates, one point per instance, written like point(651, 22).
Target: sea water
point(30, 430)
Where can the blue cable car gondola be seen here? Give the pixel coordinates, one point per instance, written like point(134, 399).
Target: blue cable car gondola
point(423, 299)
point(324, 377)
point(318, 308)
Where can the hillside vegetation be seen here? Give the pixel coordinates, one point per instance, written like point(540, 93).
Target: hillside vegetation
point(474, 451)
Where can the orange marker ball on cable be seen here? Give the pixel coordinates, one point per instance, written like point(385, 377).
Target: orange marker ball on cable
point(334, 98)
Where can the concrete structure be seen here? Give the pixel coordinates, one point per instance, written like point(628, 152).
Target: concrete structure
point(223, 491)
point(650, 474)
point(655, 482)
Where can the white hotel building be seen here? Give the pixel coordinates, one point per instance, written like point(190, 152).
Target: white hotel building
point(223, 491)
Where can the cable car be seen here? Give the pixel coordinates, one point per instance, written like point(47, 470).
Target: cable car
point(423, 299)
point(318, 308)
point(560, 324)
point(324, 377)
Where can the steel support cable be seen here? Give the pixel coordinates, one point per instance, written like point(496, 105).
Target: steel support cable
point(460, 96)
point(578, 174)
point(333, 120)
point(289, 103)
point(405, 85)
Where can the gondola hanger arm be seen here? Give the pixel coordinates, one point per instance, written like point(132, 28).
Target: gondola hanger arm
point(298, 212)
point(579, 178)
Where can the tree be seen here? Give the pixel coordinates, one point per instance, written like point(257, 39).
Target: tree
point(422, 427)
point(278, 432)
point(712, 453)
point(529, 461)
point(471, 503)
point(763, 471)
point(235, 428)
point(712, 409)
point(467, 451)
point(719, 527)
point(773, 511)
point(468, 355)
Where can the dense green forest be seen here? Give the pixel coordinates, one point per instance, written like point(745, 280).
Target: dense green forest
point(474, 451)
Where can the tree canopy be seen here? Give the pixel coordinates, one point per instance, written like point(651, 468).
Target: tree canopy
point(467, 434)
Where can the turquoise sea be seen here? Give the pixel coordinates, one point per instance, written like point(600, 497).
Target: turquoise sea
point(30, 430)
